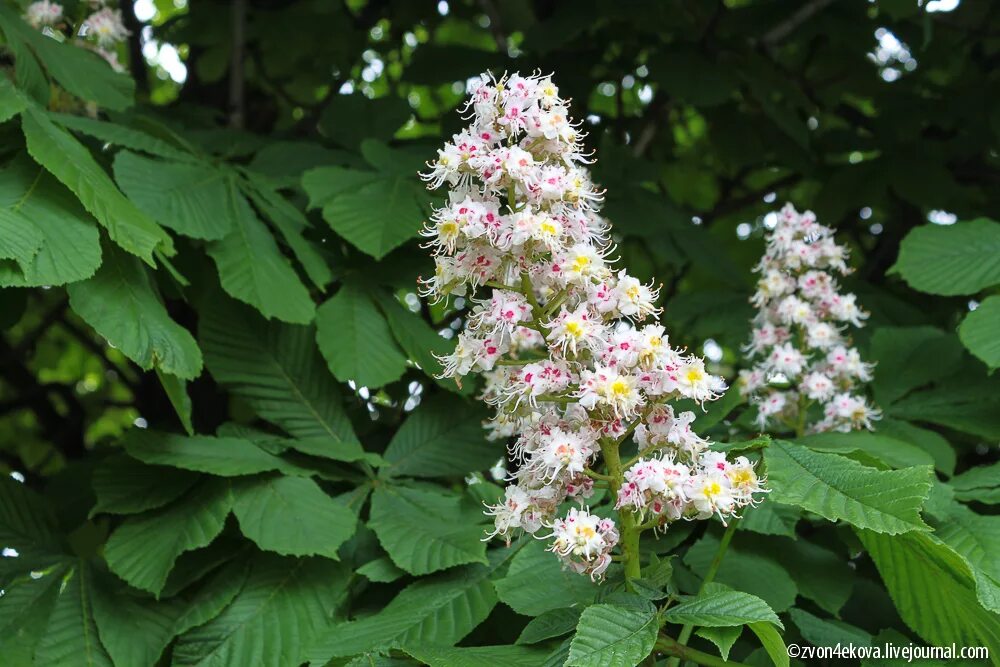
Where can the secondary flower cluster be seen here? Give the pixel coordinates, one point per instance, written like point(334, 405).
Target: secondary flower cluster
point(570, 364)
point(801, 355)
point(101, 31)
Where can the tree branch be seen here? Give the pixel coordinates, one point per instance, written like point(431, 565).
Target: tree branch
point(236, 73)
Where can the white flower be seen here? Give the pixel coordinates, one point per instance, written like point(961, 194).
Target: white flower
point(584, 542)
point(607, 388)
point(694, 382)
point(43, 13)
point(105, 27)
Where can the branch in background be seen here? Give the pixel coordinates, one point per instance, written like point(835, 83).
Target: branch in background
point(98, 351)
point(496, 28)
point(27, 343)
point(236, 73)
point(779, 32)
point(136, 61)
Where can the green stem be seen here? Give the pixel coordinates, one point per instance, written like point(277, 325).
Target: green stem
point(678, 650)
point(713, 569)
point(800, 424)
point(529, 293)
point(629, 530)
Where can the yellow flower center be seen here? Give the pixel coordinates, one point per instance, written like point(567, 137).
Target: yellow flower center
point(712, 489)
point(574, 329)
point(548, 228)
point(694, 376)
point(619, 388)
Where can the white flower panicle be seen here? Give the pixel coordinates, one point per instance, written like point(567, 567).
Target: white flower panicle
point(570, 363)
point(800, 353)
point(101, 32)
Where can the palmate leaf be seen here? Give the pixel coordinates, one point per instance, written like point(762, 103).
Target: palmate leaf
point(978, 331)
point(536, 583)
point(142, 550)
point(277, 369)
point(949, 260)
point(838, 488)
point(438, 610)
point(71, 638)
point(933, 590)
point(124, 485)
point(721, 609)
point(34, 205)
point(980, 484)
point(284, 604)
point(252, 268)
point(291, 516)
point(376, 211)
point(25, 608)
point(910, 357)
point(188, 197)
point(613, 636)
point(425, 531)
point(827, 632)
point(355, 340)
point(974, 537)
point(72, 164)
point(214, 595)
point(27, 525)
point(11, 103)
point(290, 223)
point(442, 437)
point(122, 305)
point(753, 571)
point(119, 135)
point(553, 623)
point(821, 575)
point(226, 457)
point(772, 642)
point(476, 656)
point(151, 622)
point(886, 449)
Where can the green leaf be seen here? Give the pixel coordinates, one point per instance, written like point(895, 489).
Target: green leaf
point(119, 135)
point(71, 639)
point(25, 608)
point(536, 583)
point(837, 488)
point(11, 103)
point(933, 589)
point(721, 609)
point(252, 268)
point(476, 656)
point(613, 636)
point(752, 571)
point(27, 524)
point(931, 442)
point(33, 201)
point(277, 369)
point(426, 531)
point(126, 486)
point(381, 570)
point(281, 609)
point(974, 537)
point(438, 610)
point(348, 119)
point(374, 210)
point(821, 575)
point(122, 305)
point(213, 596)
point(979, 331)
point(722, 637)
point(290, 222)
point(142, 550)
point(772, 643)
point(442, 437)
point(827, 632)
point(418, 339)
point(963, 258)
point(176, 390)
point(72, 164)
point(553, 623)
point(78, 70)
point(963, 406)
point(891, 451)
point(355, 339)
point(691, 77)
point(188, 197)
point(910, 357)
point(291, 516)
point(150, 622)
point(981, 484)
point(227, 457)
point(771, 518)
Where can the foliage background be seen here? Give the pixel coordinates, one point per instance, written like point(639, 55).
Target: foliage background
point(233, 255)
